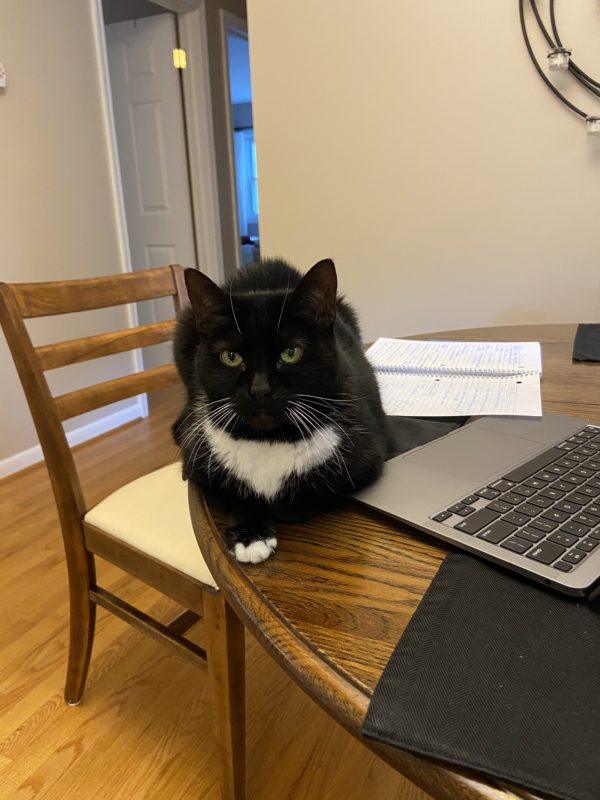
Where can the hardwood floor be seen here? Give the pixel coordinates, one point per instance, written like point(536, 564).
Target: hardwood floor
point(144, 729)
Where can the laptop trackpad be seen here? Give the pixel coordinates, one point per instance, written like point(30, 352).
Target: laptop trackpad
point(471, 458)
point(422, 481)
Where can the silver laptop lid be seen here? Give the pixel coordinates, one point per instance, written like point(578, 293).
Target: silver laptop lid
point(417, 484)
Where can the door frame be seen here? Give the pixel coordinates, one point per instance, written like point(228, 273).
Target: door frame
point(229, 22)
point(198, 121)
point(115, 179)
point(221, 15)
point(191, 27)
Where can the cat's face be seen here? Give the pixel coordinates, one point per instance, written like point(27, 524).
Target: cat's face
point(260, 353)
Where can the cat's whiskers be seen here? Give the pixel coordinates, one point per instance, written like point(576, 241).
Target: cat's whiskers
point(231, 418)
point(222, 417)
point(191, 433)
point(233, 311)
point(310, 417)
point(335, 411)
point(312, 406)
point(195, 435)
point(197, 451)
point(216, 416)
point(297, 421)
point(224, 424)
point(197, 425)
point(219, 415)
point(310, 424)
point(314, 415)
point(291, 416)
point(207, 408)
point(283, 304)
point(187, 416)
point(339, 400)
point(191, 429)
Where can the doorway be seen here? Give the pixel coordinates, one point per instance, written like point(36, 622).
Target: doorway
point(147, 105)
point(208, 177)
point(244, 148)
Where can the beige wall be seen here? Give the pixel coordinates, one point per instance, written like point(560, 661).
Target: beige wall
point(415, 144)
point(57, 203)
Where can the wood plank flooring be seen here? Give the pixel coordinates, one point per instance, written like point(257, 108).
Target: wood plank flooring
point(144, 730)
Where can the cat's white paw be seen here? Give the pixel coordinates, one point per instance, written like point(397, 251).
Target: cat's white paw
point(256, 551)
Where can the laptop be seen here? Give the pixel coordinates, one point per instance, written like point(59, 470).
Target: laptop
point(522, 492)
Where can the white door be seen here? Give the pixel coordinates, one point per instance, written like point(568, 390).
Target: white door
point(148, 114)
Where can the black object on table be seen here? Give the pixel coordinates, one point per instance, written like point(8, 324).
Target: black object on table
point(499, 675)
point(586, 347)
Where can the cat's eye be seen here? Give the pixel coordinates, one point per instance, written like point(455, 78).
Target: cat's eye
point(291, 355)
point(230, 358)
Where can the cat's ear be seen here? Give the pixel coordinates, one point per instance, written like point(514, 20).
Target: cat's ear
point(316, 293)
point(208, 301)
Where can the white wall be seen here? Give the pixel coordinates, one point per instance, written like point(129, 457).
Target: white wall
point(414, 143)
point(57, 203)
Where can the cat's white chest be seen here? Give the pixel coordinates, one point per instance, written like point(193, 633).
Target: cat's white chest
point(265, 466)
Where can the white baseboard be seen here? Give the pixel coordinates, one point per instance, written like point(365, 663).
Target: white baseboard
point(28, 457)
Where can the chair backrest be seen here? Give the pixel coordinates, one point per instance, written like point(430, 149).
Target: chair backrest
point(20, 301)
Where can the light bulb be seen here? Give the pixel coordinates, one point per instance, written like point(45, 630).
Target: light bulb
point(558, 59)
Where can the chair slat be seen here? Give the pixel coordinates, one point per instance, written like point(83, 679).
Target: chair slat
point(157, 630)
point(73, 351)
point(64, 297)
point(181, 298)
point(101, 394)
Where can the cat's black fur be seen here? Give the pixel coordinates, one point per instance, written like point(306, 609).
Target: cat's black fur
point(263, 310)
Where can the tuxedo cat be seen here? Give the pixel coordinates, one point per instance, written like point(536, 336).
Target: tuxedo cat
point(283, 411)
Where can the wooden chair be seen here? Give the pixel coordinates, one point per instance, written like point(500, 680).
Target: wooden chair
point(143, 527)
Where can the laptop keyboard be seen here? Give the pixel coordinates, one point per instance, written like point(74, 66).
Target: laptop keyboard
point(547, 509)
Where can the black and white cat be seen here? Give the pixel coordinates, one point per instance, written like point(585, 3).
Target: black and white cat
point(283, 412)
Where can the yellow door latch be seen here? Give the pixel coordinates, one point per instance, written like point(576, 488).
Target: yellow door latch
point(179, 58)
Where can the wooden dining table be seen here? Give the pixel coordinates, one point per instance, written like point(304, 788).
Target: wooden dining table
point(332, 603)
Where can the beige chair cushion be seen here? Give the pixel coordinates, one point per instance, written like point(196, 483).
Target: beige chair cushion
point(152, 514)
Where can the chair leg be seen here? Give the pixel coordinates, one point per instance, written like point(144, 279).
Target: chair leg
point(226, 663)
point(82, 627)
